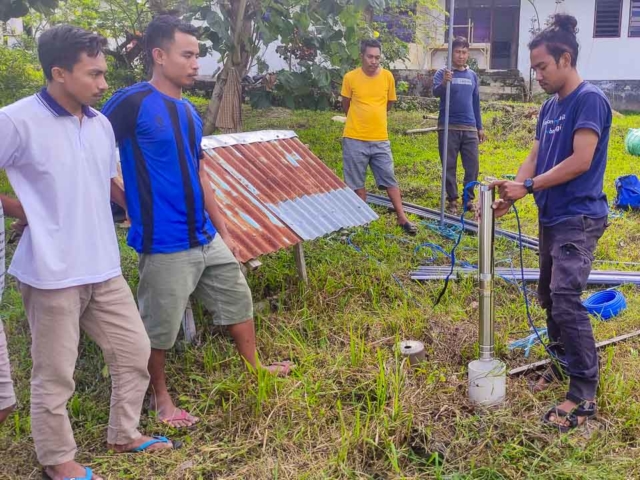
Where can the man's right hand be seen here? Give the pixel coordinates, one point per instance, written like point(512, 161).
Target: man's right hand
point(448, 76)
point(18, 226)
point(501, 207)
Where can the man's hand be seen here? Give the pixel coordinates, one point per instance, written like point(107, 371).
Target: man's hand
point(448, 76)
point(231, 243)
point(508, 190)
point(501, 207)
point(482, 136)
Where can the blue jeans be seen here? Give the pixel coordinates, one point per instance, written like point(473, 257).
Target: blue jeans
point(566, 255)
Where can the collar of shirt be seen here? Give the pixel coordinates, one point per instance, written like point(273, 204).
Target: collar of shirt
point(58, 110)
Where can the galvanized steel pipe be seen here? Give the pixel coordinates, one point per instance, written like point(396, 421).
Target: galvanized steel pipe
point(486, 234)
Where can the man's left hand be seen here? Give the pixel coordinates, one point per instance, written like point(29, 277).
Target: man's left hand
point(510, 191)
point(482, 136)
point(231, 243)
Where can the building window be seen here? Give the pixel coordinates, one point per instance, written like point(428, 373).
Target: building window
point(608, 18)
point(634, 19)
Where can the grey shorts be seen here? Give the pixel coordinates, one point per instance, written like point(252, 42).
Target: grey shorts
point(357, 155)
point(211, 273)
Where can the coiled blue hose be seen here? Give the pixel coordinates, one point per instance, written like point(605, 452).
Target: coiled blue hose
point(605, 304)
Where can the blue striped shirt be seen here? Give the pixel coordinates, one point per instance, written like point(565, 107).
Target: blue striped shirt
point(159, 139)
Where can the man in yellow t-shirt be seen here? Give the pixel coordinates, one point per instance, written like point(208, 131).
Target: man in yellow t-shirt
point(367, 93)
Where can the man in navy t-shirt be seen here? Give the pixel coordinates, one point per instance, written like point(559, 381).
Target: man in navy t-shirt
point(465, 122)
point(176, 224)
point(564, 172)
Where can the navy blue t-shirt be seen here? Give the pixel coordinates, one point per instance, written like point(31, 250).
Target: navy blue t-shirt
point(159, 140)
point(464, 107)
point(585, 107)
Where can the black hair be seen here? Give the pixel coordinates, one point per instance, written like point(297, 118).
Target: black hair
point(559, 38)
point(371, 43)
point(62, 45)
point(162, 30)
point(460, 42)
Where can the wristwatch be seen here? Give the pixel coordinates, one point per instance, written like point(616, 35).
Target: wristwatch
point(528, 184)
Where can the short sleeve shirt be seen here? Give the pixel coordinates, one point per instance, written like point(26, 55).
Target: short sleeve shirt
point(60, 168)
point(559, 120)
point(159, 139)
point(367, 116)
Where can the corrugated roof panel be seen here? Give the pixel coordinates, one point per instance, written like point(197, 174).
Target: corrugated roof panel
point(254, 228)
point(291, 181)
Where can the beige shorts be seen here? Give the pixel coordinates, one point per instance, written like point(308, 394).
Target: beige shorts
point(211, 273)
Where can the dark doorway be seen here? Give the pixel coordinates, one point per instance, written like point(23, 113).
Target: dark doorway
point(504, 38)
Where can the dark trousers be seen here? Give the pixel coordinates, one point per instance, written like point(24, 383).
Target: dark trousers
point(465, 143)
point(566, 255)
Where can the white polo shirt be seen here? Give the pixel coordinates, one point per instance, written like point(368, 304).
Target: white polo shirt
point(61, 170)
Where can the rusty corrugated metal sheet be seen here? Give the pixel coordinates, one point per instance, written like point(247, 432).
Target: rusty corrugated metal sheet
point(290, 181)
point(255, 229)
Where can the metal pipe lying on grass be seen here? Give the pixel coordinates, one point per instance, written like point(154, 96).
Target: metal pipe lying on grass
point(451, 220)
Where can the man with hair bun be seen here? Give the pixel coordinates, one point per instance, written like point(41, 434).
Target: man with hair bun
point(564, 171)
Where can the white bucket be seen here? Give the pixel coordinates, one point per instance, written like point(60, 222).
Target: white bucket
point(487, 382)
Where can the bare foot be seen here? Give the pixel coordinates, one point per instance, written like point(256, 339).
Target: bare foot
point(68, 470)
point(4, 413)
point(544, 381)
point(281, 369)
point(130, 447)
point(169, 414)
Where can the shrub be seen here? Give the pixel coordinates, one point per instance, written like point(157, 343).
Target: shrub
point(20, 75)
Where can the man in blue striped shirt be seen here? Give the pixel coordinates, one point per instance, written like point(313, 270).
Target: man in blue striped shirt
point(465, 121)
point(176, 225)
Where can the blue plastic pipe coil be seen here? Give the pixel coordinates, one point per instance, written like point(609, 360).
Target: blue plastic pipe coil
point(605, 304)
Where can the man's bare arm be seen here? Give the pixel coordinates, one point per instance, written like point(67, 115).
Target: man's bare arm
point(390, 104)
point(117, 194)
point(346, 103)
point(13, 208)
point(585, 142)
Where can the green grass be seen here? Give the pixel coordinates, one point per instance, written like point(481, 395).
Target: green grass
point(353, 409)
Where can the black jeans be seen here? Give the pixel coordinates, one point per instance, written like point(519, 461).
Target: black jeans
point(465, 143)
point(566, 255)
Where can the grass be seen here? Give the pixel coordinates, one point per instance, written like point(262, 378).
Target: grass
point(353, 409)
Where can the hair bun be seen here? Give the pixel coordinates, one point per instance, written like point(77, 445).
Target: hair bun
point(568, 23)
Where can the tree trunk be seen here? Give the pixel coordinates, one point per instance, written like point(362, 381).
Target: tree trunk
point(234, 60)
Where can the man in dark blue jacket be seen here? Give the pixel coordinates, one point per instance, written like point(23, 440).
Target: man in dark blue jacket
point(465, 123)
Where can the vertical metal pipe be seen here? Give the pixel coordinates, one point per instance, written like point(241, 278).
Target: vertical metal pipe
point(445, 139)
point(486, 234)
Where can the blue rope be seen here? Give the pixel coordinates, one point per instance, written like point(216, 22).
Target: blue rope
point(536, 332)
point(452, 255)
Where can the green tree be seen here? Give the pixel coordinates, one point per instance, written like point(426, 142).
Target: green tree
point(321, 37)
point(19, 8)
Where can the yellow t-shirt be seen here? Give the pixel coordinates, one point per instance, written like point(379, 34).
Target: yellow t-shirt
point(367, 117)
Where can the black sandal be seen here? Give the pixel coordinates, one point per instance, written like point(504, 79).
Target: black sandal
point(584, 409)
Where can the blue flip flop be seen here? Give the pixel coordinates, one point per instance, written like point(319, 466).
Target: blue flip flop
point(88, 475)
point(148, 443)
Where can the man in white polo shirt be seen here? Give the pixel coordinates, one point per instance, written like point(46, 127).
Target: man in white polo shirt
point(59, 155)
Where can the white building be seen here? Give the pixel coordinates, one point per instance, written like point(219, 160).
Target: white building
point(500, 30)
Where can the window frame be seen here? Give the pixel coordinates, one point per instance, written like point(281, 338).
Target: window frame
point(595, 21)
point(631, 17)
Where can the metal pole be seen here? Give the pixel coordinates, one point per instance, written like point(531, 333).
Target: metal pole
point(485, 272)
point(446, 115)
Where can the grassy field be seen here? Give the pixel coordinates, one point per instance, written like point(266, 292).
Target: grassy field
point(353, 409)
